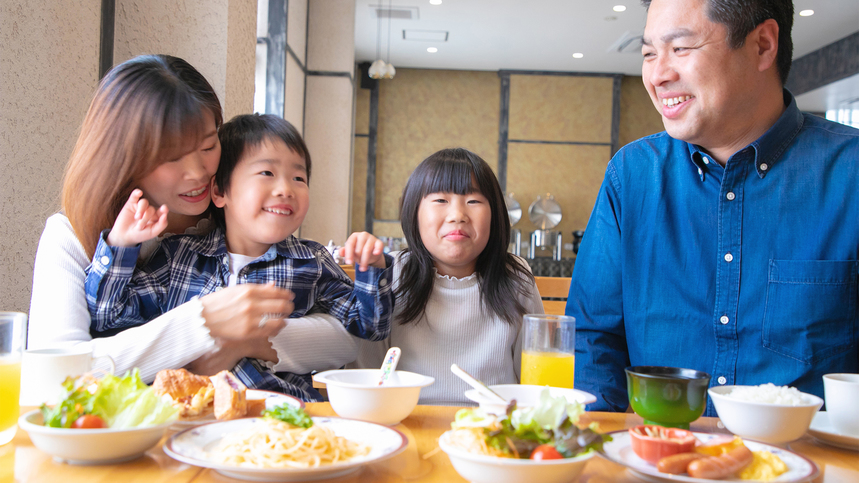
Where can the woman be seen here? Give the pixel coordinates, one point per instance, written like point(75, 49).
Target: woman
point(153, 125)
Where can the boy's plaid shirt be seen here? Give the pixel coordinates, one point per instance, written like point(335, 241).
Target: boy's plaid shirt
point(121, 294)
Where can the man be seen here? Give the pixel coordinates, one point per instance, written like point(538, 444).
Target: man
point(729, 243)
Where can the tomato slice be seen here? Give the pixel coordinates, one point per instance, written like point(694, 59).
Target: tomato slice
point(545, 452)
point(89, 421)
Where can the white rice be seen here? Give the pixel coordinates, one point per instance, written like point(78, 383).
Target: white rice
point(768, 393)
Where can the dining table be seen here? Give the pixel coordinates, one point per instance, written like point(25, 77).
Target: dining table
point(421, 461)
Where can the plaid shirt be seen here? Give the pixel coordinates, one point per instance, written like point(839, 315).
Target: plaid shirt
point(121, 295)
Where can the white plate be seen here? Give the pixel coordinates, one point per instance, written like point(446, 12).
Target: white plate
point(272, 399)
point(191, 446)
point(799, 468)
point(525, 395)
point(823, 430)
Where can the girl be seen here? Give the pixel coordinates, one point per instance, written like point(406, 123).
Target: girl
point(460, 295)
point(153, 124)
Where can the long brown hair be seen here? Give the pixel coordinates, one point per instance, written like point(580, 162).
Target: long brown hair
point(146, 111)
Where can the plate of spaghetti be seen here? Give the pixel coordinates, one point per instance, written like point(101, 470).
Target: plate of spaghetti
point(285, 445)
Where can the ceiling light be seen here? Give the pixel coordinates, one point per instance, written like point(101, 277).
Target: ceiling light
point(432, 50)
point(435, 2)
point(578, 55)
point(619, 8)
point(806, 13)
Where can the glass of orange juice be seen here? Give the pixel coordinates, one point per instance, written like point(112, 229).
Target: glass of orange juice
point(13, 336)
point(548, 350)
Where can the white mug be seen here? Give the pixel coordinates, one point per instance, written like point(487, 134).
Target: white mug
point(44, 370)
point(841, 392)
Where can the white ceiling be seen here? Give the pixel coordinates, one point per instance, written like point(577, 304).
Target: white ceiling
point(543, 35)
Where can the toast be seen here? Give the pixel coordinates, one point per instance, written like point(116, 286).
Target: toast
point(230, 400)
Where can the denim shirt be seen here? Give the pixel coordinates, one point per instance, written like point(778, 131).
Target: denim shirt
point(747, 272)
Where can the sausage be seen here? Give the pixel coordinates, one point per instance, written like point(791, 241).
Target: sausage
point(677, 463)
point(717, 467)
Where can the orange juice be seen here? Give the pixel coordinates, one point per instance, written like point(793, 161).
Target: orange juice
point(10, 388)
point(555, 369)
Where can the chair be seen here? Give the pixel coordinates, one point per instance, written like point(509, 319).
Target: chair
point(554, 288)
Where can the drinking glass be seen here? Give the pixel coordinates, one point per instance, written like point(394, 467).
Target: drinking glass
point(13, 336)
point(548, 350)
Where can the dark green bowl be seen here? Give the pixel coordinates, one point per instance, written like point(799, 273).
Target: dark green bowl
point(667, 396)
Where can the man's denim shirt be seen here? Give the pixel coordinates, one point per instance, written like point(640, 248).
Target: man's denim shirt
point(747, 272)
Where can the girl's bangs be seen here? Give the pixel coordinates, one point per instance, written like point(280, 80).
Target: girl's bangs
point(449, 176)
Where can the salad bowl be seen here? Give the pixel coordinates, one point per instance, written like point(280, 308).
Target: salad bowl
point(91, 446)
point(479, 468)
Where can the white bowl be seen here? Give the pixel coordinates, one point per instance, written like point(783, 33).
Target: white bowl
point(770, 423)
point(356, 394)
point(90, 446)
point(490, 469)
point(525, 396)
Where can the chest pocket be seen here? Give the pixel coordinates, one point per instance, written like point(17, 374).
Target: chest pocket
point(811, 308)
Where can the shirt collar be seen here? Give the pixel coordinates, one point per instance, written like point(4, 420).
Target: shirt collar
point(768, 148)
point(214, 244)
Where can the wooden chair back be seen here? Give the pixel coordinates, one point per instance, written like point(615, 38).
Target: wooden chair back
point(554, 288)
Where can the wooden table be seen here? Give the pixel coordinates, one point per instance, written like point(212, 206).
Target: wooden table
point(20, 461)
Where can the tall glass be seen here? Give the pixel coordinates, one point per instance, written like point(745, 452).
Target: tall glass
point(548, 350)
point(13, 336)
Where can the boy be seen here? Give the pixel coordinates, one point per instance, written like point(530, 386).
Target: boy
point(261, 196)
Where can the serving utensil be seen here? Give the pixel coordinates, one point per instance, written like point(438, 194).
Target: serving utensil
point(476, 384)
point(389, 364)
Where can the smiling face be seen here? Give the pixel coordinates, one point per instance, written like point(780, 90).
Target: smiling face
point(183, 183)
point(708, 94)
point(455, 229)
point(267, 197)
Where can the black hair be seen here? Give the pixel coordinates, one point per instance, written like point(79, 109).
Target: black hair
point(248, 131)
point(740, 17)
point(500, 275)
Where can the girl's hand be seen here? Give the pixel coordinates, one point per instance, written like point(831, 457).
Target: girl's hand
point(137, 222)
point(228, 353)
point(244, 312)
point(364, 249)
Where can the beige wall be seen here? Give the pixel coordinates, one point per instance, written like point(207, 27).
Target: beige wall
point(48, 70)
point(296, 40)
point(328, 118)
point(421, 111)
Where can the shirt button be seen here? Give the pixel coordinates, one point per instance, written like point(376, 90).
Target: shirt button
point(728, 257)
point(706, 160)
point(699, 171)
point(764, 167)
point(105, 260)
point(383, 282)
point(724, 320)
point(722, 380)
point(730, 196)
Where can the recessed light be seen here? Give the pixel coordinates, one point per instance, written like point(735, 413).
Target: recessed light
point(435, 2)
point(806, 13)
point(432, 50)
point(619, 8)
point(578, 55)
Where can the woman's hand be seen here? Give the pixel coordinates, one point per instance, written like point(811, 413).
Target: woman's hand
point(229, 352)
point(137, 222)
point(364, 249)
point(247, 311)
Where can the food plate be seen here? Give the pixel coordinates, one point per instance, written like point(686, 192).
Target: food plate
point(272, 399)
point(822, 430)
point(192, 445)
point(619, 451)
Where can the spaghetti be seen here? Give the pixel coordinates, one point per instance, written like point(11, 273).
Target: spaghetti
point(274, 444)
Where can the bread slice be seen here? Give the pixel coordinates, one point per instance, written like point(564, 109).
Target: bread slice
point(230, 401)
point(178, 383)
point(255, 408)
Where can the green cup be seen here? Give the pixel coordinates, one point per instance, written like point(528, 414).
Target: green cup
point(667, 396)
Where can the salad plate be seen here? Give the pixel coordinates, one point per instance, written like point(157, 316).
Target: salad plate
point(272, 399)
point(193, 445)
point(619, 451)
point(822, 430)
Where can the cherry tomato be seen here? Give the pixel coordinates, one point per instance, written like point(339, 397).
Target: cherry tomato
point(545, 452)
point(88, 421)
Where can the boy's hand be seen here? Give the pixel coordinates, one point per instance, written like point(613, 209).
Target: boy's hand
point(137, 222)
point(365, 250)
